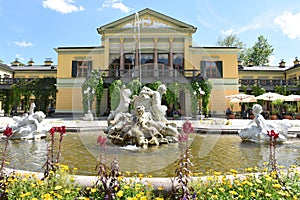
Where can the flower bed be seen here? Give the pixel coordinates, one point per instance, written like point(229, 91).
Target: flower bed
point(60, 182)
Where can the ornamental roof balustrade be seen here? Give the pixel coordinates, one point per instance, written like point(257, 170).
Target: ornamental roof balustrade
point(269, 85)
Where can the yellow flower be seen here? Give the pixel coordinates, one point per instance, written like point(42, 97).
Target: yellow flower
point(46, 195)
point(138, 195)
point(126, 187)
point(268, 195)
point(120, 193)
point(249, 169)
point(160, 188)
point(67, 191)
point(93, 190)
point(258, 181)
point(34, 199)
point(233, 171)
point(24, 179)
point(57, 195)
point(276, 185)
point(209, 190)
point(127, 173)
point(260, 191)
point(232, 192)
point(221, 189)
point(58, 187)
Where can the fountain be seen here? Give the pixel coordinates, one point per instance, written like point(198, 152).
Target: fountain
point(259, 130)
point(145, 124)
point(28, 127)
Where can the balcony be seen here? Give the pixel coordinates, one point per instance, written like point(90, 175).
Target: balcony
point(269, 85)
point(150, 74)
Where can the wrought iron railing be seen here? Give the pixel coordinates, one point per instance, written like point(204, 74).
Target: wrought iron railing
point(270, 85)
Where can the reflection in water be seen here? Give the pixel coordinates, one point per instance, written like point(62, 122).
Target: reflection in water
point(210, 152)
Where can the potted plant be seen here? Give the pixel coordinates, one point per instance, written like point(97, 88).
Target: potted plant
point(276, 107)
point(298, 110)
point(290, 112)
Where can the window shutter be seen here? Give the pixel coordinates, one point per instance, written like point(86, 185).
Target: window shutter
point(220, 68)
point(90, 67)
point(74, 68)
point(203, 68)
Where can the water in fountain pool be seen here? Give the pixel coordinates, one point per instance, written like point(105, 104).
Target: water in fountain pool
point(210, 152)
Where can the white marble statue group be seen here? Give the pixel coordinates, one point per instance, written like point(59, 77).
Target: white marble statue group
point(29, 126)
point(257, 130)
point(145, 123)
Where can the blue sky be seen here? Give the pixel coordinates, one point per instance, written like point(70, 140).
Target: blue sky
point(33, 28)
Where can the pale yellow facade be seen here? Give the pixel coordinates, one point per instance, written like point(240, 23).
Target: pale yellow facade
point(151, 34)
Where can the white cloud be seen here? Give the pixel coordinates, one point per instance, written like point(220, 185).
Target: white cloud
point(116, 4)
point(23, 44)
point(227, 32)
point(62, 6)
point(248, 27)
point(289, 24)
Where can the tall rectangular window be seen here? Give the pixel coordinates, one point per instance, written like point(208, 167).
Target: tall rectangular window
point(81, 68)
point(178, 62)
point(211, 69)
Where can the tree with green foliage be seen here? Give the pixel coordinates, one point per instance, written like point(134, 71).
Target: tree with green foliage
point(114, 93)
point(230, 40)
point(22, 89)
point(42, 96)
point(258, 90)
point(135, 86)
point(259, 54)
point(206, 86)
point(96, 84)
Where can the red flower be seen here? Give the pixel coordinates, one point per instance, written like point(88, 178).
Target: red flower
point(8, 131)
point(272, 134)
point(101, 140)
point(52, 131)
point(63, 130)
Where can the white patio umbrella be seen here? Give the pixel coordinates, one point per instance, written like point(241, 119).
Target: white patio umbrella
point(292, 97)
point(271, 96)
point(241, 98)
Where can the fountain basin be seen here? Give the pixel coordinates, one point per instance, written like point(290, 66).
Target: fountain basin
point(210, 152)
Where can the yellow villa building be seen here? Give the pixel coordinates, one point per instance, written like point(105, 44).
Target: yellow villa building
point(160, 46)
point(151, 46)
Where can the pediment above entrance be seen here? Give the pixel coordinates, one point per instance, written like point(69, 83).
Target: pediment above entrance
point(147, 18)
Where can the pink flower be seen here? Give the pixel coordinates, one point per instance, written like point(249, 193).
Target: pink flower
point(101, 140)
point(182, 137)
point(187, 127)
